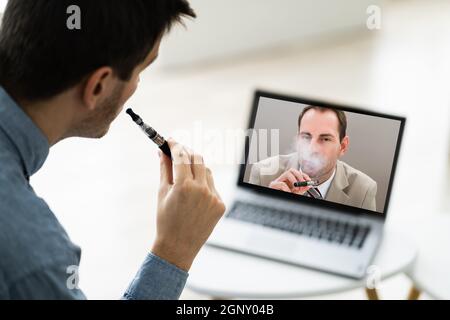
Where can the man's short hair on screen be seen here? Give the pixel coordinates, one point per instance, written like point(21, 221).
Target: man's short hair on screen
point(342, 118)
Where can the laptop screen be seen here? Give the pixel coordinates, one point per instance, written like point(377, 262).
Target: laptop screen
point(321, 153)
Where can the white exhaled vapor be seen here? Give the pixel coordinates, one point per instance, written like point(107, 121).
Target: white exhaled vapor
point(311, 163)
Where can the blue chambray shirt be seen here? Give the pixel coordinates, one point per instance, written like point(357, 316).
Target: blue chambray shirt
point(37, 258)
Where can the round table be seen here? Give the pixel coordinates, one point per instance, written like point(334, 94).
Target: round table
point(223, 274)
point(430, 271)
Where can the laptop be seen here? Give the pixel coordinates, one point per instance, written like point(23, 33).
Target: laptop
point(314, 184)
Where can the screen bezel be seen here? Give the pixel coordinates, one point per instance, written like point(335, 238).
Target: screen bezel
point(322, 203)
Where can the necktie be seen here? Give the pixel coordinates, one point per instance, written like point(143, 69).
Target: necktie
point(314, 193)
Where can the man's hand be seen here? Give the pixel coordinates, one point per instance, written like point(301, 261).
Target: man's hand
point(286, 181)
point(189, 207)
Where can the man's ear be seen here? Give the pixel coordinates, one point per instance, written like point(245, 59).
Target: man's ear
point(344, 145)
point(98, 85)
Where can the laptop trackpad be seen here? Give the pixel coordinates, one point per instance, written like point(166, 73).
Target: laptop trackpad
point(267, 241)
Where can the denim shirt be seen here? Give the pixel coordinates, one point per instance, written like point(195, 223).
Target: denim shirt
point(37, 258)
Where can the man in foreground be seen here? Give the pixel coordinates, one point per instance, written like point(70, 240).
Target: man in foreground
point(57, 83)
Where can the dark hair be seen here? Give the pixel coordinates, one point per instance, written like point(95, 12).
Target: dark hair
point(41, 57)
point(342, 118)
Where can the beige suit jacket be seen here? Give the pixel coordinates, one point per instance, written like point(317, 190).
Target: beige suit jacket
point(349, 186)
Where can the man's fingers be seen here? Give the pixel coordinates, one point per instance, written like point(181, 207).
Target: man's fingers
point(278, 185)
point(284, 187)
point(198, 167)
point(186, 163)
point(181, 161)
point(298, 175)
point(166, 176)
point(210, 182)
point(288, 178)
point(306, 177)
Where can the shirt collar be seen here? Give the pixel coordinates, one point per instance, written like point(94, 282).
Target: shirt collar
point(29, 140)
point(323, 188)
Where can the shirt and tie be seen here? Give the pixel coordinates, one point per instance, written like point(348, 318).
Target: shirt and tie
point(37, 258)
point(320, 192)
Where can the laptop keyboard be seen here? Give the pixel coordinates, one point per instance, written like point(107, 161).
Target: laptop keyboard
point(313, 226)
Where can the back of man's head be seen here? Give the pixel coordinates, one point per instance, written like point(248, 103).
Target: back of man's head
point(40, 56)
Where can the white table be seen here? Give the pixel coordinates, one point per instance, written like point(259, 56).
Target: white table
point(430, 272)
point(224, 274)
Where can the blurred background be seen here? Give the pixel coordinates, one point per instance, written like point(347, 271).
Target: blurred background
point(104, 192)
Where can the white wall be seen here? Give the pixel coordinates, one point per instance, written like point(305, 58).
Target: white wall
point(2, 4)
point(2, 7)
point(226, 28)
point(230, 27)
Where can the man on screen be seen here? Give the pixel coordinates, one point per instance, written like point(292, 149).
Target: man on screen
point(320, 142)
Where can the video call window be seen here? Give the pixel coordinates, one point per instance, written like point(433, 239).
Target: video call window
point(324, 153)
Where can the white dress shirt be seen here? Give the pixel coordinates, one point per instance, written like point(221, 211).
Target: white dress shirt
point(325, 186)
